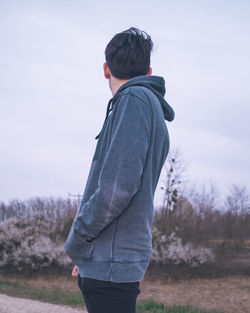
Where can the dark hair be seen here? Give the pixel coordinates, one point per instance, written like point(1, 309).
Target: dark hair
point(128, 53)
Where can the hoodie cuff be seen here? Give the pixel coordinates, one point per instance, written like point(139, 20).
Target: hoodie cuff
point(78, 247)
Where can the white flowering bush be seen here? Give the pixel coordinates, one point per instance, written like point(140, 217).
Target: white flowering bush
point(170, 250)
point(30, 245)
point(33, 244)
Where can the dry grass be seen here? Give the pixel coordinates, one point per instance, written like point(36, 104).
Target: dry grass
point(223, 286)
point(229, 294)
point(226, 294)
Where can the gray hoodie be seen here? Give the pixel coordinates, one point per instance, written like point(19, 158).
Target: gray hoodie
point(110, 238)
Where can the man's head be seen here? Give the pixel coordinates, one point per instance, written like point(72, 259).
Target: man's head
point(128, 54)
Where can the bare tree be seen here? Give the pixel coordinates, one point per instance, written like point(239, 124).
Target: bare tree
point(238, 201)
point(237, 216)
point(174, 185)
point(204, 201)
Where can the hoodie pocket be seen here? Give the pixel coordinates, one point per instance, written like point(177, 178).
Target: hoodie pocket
point(77, 248)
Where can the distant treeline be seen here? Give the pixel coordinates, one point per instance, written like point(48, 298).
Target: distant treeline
point(33, 231)
point(194, 219)
point(56, 212)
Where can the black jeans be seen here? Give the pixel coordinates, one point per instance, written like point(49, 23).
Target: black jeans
point(108, 297)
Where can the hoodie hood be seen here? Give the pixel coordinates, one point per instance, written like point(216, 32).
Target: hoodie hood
point(157, 85)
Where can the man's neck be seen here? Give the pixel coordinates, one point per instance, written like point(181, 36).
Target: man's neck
point(115, 84)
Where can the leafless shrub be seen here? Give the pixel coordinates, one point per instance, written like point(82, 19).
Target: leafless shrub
point(237, 215)
point(174, 184)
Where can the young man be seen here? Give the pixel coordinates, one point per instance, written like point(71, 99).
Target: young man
point(110, 241)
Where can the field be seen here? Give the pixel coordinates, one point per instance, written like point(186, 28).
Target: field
point(222, 287)
point(228, 293)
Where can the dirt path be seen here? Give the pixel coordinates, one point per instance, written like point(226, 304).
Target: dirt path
point(17, 305)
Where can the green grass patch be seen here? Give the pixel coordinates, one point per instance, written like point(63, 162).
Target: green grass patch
point(55, 296)
point(152, 307)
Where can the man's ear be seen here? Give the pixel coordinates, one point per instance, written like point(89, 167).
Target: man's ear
point(149, 71)
point(106, 70)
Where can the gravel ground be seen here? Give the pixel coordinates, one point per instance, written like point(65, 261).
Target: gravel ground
point(17, 305)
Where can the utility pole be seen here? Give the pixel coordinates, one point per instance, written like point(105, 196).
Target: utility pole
point(76, 196)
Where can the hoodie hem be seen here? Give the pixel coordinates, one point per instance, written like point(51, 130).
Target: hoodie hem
point(114, 271)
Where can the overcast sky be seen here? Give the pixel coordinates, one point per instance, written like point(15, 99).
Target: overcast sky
point(53, 94)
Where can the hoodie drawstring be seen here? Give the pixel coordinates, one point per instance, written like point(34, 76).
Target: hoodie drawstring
point(109, 109)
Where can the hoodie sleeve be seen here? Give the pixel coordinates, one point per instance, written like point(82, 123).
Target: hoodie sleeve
point(120, 177)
